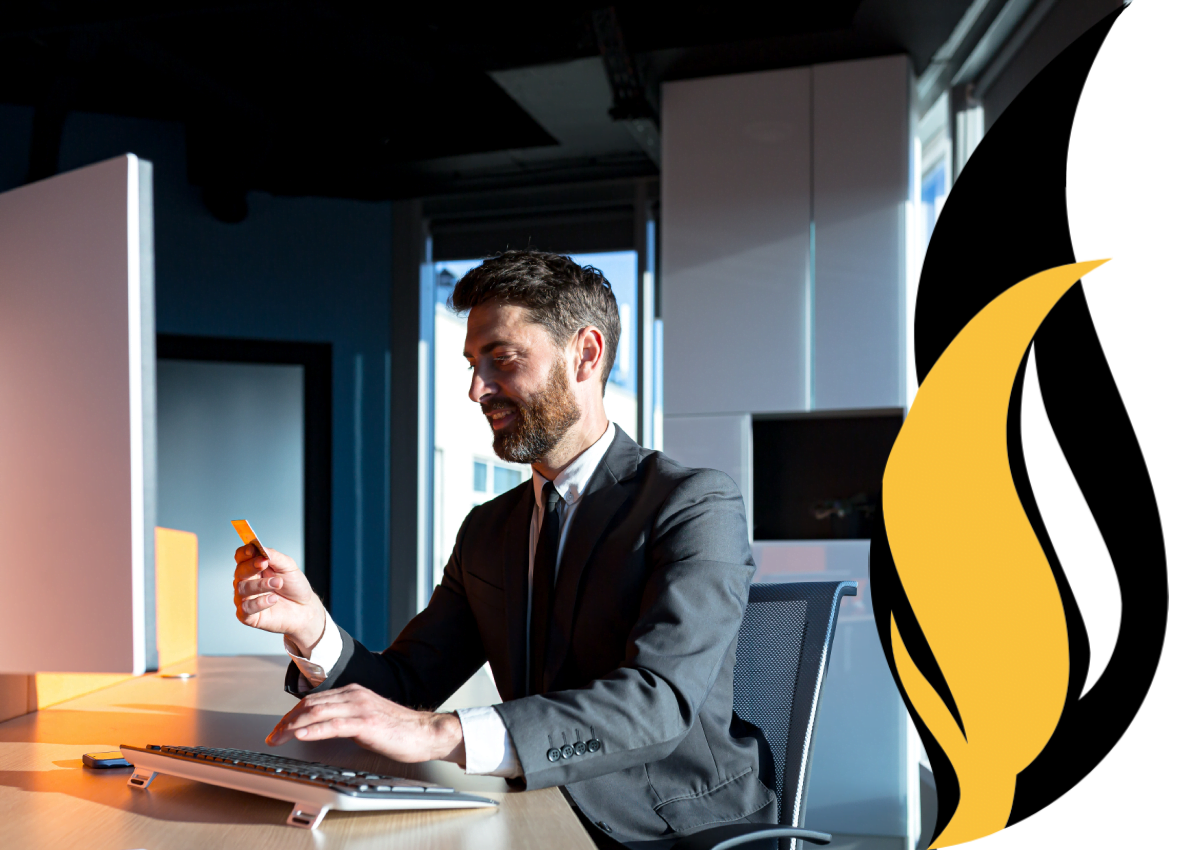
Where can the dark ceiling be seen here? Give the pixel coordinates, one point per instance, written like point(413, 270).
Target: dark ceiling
point(367, 100)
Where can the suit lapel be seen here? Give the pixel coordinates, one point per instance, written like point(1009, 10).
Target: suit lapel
point(600, 502)
point(514, 548)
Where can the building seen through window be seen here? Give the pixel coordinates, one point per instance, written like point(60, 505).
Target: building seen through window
point(467, 473)
point(936, 163)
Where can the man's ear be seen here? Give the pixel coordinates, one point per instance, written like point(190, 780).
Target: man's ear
point(590, 353)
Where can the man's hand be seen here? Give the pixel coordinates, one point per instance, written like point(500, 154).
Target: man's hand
point(273, 595)
point(378, 724)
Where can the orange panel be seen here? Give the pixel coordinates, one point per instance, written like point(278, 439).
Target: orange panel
point(47, 689)
point(176, 595)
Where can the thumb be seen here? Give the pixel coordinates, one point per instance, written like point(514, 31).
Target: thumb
point(279, 562)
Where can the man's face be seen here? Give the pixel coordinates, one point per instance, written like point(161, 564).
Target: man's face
point(520, 378)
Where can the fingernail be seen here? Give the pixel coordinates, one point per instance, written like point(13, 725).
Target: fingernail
point(271, 597)
point(300, 733)
point(273, 582)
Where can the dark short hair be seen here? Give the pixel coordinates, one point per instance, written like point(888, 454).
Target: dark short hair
point(558, 294)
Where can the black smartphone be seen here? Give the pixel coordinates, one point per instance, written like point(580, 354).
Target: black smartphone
point(105, 761)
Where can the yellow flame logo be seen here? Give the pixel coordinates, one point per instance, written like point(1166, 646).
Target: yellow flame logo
point(995, 620)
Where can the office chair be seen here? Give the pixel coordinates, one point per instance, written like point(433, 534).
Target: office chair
point(782, 654)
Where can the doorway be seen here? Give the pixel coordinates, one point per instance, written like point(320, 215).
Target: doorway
point(244, 431)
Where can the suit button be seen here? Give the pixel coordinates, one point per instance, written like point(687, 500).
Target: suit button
point(580, 748)
point(567, 751)
point(553, 754)
point(604, 826)
point(594, 745)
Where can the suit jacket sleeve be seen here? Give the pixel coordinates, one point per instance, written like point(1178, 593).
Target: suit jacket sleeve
point(434, 655)
point(692, 605)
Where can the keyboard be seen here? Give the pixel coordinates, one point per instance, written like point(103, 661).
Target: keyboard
point(312, 788)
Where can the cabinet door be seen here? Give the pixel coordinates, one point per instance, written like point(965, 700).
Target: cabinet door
point(735, 243)
point(861, 133)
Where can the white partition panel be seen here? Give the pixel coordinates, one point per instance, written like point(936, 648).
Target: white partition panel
point(77, 461)
point(735, 242)
point(723, 442)
point(861, 142)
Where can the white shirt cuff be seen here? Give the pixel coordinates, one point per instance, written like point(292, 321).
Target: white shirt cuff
point(488, 749)
point(313, 670)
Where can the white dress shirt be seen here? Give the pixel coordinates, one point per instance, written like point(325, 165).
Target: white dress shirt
point(488, 749)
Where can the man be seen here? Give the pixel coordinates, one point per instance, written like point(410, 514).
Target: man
point(606, 595)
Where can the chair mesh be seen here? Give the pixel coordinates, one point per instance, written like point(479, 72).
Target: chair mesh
point(769, 652)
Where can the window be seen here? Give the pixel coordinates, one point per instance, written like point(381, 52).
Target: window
point(621, 216)
point(468, 474)
point(506, 479)
point(933, 173)
point(936, 164)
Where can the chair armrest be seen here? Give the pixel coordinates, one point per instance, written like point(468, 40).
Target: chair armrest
point(739, 834)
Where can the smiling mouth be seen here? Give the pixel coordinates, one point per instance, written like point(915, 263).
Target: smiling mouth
point(500, 418)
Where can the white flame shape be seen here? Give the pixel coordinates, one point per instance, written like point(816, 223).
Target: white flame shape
point(1076, 538)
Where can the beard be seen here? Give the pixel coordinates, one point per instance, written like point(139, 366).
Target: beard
point(541, 420)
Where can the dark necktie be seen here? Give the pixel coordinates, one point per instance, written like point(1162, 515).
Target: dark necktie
point(543, 577)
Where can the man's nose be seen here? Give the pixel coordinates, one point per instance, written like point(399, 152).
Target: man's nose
point(478, 388)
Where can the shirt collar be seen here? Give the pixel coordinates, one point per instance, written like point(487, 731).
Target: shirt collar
point(570, 483)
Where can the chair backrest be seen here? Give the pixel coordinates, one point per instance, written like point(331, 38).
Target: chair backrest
point(782, 654)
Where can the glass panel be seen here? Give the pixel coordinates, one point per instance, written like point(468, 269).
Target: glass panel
point(620, 268)
point(934, 191)
point(460, 429)
point(505, 478)
point(461, 433)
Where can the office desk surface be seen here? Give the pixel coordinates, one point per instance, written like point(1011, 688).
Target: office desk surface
point(48, 800)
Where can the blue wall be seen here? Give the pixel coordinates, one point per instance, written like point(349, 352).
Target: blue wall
point(301, 269)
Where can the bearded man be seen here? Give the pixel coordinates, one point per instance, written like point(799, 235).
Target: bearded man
point(606, 594)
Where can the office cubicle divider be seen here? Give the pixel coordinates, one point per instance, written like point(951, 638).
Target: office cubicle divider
point(77, 441)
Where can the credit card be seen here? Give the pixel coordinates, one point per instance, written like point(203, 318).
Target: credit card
point(247, 533)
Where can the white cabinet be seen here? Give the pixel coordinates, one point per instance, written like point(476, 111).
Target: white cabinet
point(735, 242)
point(756, 319)
point(861, 194)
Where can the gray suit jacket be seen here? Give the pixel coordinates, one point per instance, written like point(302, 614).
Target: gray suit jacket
point(637, 718)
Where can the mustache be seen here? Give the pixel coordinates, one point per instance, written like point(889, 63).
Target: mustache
point(498, 404)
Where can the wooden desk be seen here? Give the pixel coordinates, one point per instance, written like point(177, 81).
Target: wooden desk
point(48, 800)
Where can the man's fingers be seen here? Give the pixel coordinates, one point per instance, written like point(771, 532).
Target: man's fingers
point(258, 603)
point(305, 715)
point(321, 711)
point(345, 695)
point(280, 562)
point(337, 727)
point(248, 552)
point(337, 695)
point(259, 584)
point(250, 567)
